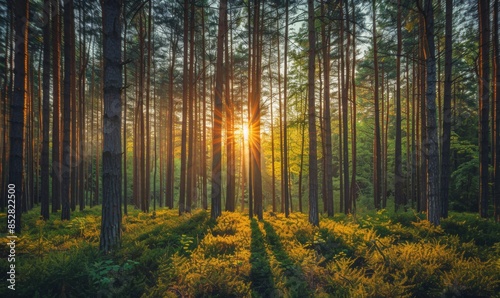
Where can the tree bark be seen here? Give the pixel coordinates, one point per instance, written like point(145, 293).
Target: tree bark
point(17, 106)
point(46, 112)
point(185, 106)
point(66, 192)
point(445, 145)
point(377, 146)
point(398, 164)
point(431, 144)
point(496, 98)
point(56, 109)
point(328, 154)
point(313, 166)
point(217, 122)
point(484, 94)
point(111, 155)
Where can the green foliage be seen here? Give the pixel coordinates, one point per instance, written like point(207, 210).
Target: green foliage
point(378, 254)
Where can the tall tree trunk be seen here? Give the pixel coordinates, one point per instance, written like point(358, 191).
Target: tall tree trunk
point(484, 95)
point(353, 191)
point(66, 193)
point(185, 104)
point(217, 122)
point(147, 169)
point(313, 163)
point(273, 167)
point(125, 190)
point(286, 194)
point(191, 171)
point(170, 129)
point(56, 109)
point(250, 78)
point(433, 204)
point(17, 105)
point(345, 121)
point(75, 158)
point(46, 112)
point(143, 196)
point(111, 155)
point(422, 187)
point(398, 164)
point(204, 99)
point(377, 181)
point(255, 119)
point(445, 145)
point(496, 98)
point(327, 155)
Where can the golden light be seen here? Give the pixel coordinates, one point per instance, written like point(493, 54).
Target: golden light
point(245, 132)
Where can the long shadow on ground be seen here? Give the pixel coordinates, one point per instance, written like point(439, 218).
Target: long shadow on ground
point(293, 272)
point(260, 273)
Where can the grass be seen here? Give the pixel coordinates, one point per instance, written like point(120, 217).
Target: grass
point(370, 255)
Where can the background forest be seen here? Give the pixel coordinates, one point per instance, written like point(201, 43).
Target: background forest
point(378, 119)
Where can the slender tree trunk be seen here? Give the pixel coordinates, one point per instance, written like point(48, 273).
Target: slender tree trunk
point(327, 155)
point(445, 145)
point(313, 166)
point(484, 94)
point(273, 168)
point(147, 133)
point(56, 109)
point(345, 121)
point(170, 129)
point(204, 99)
point(286, 193)
point(433, 204)
point(75, 158)
point(496, 98)
point(46, 112)
point(377, 183)
point(185, 106)
point(191, 171)
point(302, 149)
point(255, 123)
point(231, 173)
point(217, 122)
point(125, 190)
point(250, 72)
point(353, 191)
point(398, 163)
point(422, 194)
point(66, 193)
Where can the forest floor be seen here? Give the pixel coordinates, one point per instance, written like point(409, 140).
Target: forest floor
point(376, 254)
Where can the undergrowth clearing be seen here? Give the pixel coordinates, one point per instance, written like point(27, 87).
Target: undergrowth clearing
point(378, 254)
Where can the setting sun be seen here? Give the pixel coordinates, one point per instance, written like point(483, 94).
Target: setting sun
point(244, 130)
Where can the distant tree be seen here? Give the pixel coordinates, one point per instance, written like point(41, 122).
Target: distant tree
point(111, 155)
